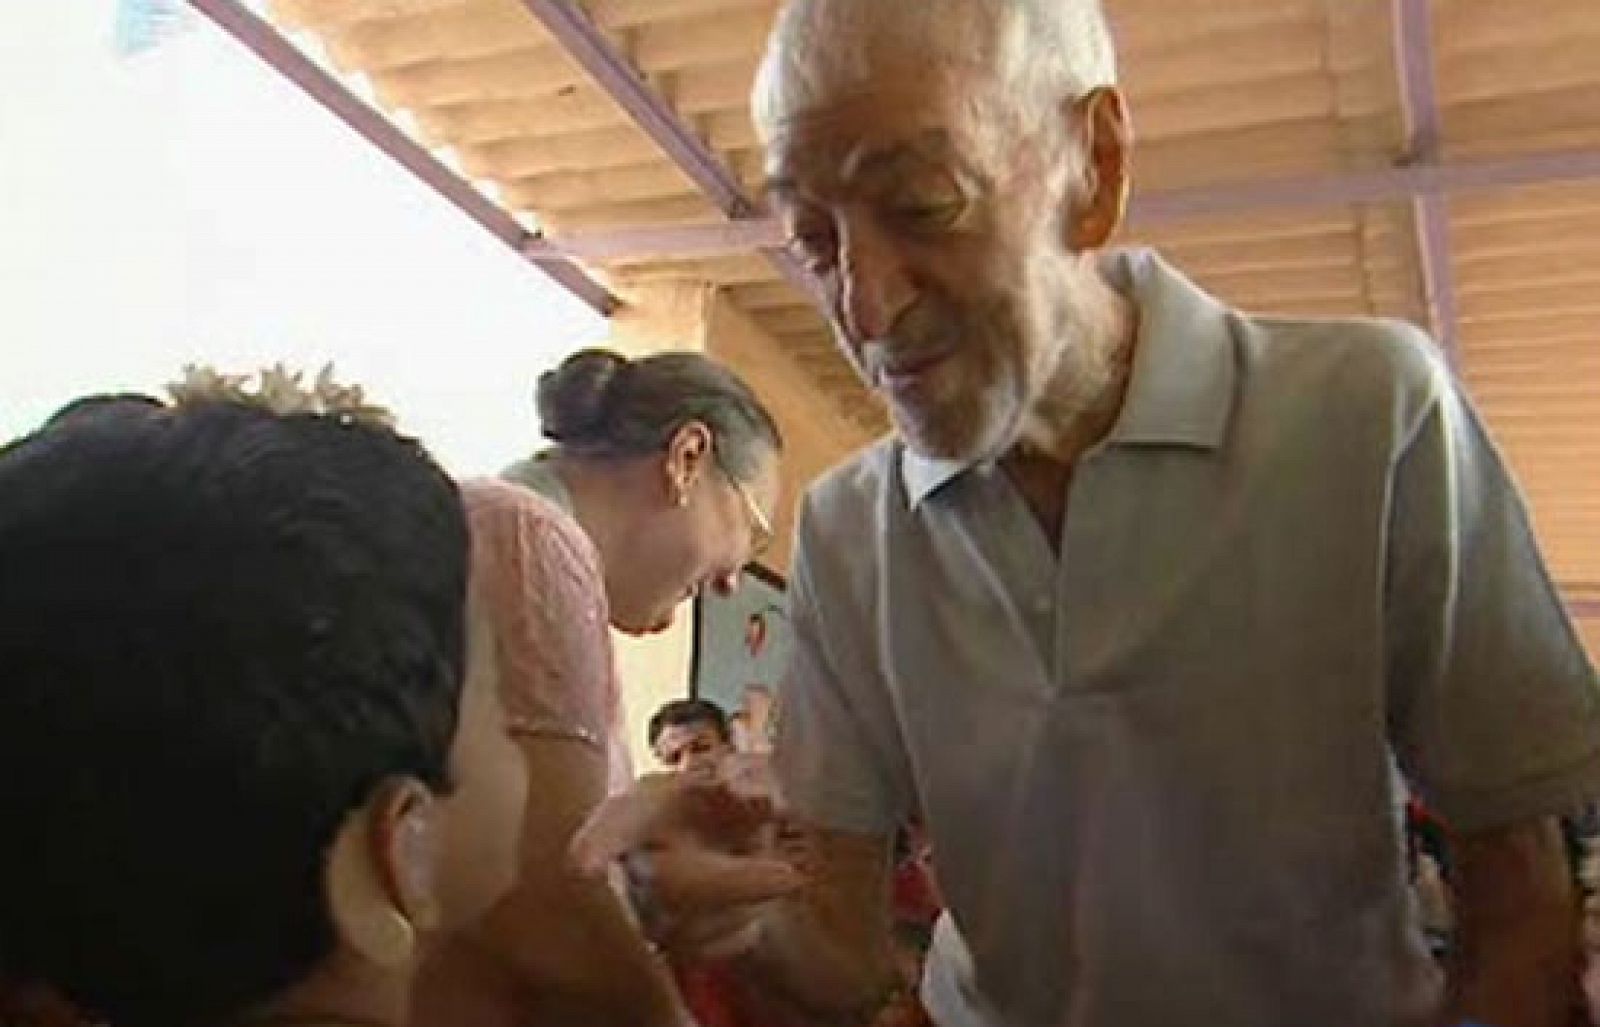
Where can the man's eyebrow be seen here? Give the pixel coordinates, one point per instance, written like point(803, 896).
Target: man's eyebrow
point(898, 158)
point(779, 187)
point(930, 145)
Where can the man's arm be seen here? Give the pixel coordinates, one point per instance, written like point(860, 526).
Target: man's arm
point(1517, 916)
point(1492, 705)
point(827, 947)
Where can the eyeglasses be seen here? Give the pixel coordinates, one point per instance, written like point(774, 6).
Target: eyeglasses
point(761, 533)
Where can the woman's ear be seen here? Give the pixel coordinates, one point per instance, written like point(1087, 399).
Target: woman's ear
point(687, 453)
point(381, 873)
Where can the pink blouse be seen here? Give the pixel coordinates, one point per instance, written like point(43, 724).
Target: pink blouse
point(537, 577)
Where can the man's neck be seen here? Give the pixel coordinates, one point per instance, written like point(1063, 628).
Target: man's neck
point(1081, 404)
point(1078, 412)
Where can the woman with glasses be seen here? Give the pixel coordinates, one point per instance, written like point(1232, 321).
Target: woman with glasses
point(659, 483)
point(669, 463)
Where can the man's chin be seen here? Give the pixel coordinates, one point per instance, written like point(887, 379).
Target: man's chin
point(955, 443)
point(967, 432)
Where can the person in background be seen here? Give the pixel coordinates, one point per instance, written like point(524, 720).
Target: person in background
point(753, 722)
point(243, 778)
point(1150, 608)
point(756, 633)
point(660, 483)
point(691, 736)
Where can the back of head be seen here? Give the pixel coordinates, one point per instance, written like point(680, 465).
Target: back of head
point(1042, 52)
point(602, 404)
point(220, 629)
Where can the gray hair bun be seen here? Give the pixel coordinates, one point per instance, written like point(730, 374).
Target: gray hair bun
point(574, 400)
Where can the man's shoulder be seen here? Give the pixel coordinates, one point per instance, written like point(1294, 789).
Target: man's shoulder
point(1363, 364)
point(845, 509)
point(1386, 349)
point(860, 482)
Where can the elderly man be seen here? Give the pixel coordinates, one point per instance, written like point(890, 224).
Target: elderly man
point(1151, 610)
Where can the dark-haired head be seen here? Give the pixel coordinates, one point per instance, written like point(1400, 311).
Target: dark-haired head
point(102, 404)
point(672, 463)
point(691, 735)
point(231, 654)
point(684, 712)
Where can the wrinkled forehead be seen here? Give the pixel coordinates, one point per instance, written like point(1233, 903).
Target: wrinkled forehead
point(887, 128)
point(825, 54)
point(816, 44)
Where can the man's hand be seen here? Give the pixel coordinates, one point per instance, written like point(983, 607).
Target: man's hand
point(699, 859)
point(719, 872)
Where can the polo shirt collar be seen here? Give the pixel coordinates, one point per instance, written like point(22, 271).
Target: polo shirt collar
point(1180, 392)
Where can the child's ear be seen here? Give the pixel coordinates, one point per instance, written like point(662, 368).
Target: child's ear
point(381, 879)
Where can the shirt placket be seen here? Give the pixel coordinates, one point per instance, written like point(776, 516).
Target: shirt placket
point(1027, 566)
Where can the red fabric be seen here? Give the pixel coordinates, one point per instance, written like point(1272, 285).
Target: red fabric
point(914, 898)
point(717, 997)
point(705, 991)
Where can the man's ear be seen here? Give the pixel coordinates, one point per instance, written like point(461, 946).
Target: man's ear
point(381, 875)
point(1099, 120)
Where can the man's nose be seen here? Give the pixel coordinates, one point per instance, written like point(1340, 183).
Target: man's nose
point(874, 287)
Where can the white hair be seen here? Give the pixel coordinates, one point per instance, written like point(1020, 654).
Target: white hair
point(1043, 52)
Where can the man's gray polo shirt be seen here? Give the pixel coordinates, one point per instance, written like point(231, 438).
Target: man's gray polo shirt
point(1158, 771)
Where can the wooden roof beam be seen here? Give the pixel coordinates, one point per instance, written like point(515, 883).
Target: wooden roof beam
point(257, 36)
point(1327, 189)
point(588, 45)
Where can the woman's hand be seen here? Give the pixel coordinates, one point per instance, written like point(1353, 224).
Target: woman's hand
point(700, 858)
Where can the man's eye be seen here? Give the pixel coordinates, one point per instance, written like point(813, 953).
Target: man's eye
point(930, 216)
point(815, 248)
